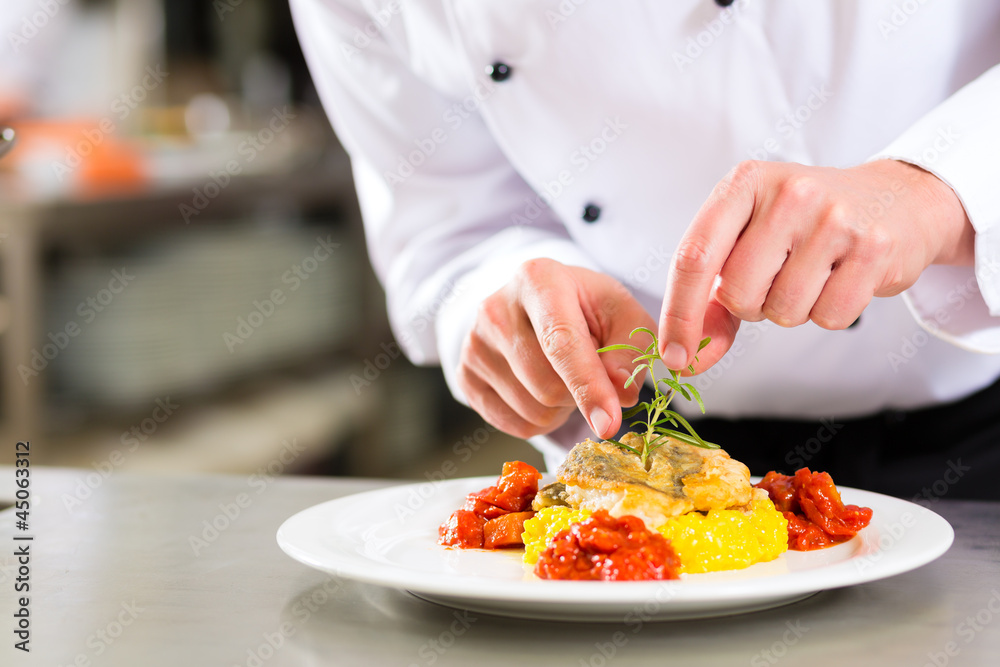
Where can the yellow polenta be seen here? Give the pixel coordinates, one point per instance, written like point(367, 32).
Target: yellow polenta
point(727, 539)
point(719, 540)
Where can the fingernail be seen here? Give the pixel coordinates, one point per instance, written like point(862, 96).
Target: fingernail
point(600, 421)
point(675, 356)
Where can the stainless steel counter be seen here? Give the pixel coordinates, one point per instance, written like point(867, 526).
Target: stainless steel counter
point(124, 572)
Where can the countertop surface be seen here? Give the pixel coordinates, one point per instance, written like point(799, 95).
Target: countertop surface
point(122, 573)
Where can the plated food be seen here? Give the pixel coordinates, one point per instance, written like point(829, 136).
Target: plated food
point(653, 505)
point(615, 521)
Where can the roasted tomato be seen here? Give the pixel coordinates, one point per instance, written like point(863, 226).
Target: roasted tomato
point(515, 489)
point(505, 531)
point(462, 529)
point(491, 507)
point(817, 517)
point(781, 488)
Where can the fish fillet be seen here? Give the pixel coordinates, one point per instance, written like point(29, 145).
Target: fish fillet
point(681, 478)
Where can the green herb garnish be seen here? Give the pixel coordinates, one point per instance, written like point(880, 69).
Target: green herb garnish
point(659, 416)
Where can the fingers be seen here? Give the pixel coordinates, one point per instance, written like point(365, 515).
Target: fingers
point(565, 338)
point(489, 365)
point(531, 358)
point(799, 284)
point(495, 410)
point(699, 258)
point(504, 374)
point(504, 333)
point(757, 257)
point(845, 295)
point(791, 243)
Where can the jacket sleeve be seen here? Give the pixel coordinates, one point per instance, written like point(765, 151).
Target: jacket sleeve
point(447, 218)
point(959, 141)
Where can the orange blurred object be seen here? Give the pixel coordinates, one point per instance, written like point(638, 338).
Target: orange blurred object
point(84, 157)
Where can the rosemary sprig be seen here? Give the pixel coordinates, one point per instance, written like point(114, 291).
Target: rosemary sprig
point(659, 417)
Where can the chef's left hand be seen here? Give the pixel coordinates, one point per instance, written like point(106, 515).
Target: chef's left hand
point(791, 243)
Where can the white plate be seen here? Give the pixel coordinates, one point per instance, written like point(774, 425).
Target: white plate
point(389, 537)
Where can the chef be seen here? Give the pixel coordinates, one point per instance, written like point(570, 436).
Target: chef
point(814, 186)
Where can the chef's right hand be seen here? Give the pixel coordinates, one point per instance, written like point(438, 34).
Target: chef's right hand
point(531, 357)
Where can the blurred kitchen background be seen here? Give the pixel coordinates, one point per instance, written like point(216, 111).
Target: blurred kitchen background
point(183, 279)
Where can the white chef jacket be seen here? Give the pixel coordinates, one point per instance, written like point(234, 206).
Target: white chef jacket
point(639, 108)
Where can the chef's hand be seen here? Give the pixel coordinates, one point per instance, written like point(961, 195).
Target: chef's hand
point(531, 357)
point(791, 243)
